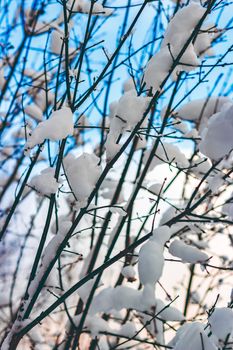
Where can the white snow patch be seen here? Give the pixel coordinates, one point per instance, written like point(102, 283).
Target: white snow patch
point(57, 127)
point(82, 173)
point(217, 140)
point(221, 322)
point(186, 252)
point(45, 182)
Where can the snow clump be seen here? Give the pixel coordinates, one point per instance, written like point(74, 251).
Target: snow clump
point(221, 322)
point(56, 128)
point(45, 182)
point(82, 174)
point(124, 114)
point(217, 140)
point(186, 252)
point(177, 34)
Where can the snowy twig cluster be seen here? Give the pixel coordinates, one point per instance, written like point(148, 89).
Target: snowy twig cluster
point(116, 151)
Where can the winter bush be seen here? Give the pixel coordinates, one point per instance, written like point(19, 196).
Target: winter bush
point(116, 127)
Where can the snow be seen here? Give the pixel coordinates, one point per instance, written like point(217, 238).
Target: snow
point(38, 77)
point(202, 44)
point(182, 127)
point(195, 297)
point(168, 313)
point(176, 35)
point(157, 69)
point(200, 165)
point(83, 121)
point(215, 181)
point(116, 298)
point(42, 98)
point(95, 324)
point(169, 153)
point(161, 234)
point(200, 110)
point(57, 43)
point(2, 72)
point(123, 297)
point(108, 188)
point(179, 30)
point(128, 330)
point(45, 182)
point(192, 134)
point(57, 127)
point(131, 107)
point(128, 84)
point(217, 140)
point(221, 322)
point(194, 335)
point(40, 26)
point(54, 243)
point(48, 253)
point(128, 272)
point(147, 299)
point(150, 263)
point(82, 173)
point(85, 290)
point(124, 115)
point(118, 210)
point(228, 210)
point(155, 188)
point(84, 6)
point(150, 258)
point(186, 252)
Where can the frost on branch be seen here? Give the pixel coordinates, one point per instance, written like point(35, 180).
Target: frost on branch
point(82, 174)
point(57, 127)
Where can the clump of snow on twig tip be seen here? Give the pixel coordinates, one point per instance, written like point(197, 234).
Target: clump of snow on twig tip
point(217, 140)
point(45, 182)
point(82, 174)
point(151, 259)
point(124, 115)
point(186, 252)
point(221, 323)
point(57, 127)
